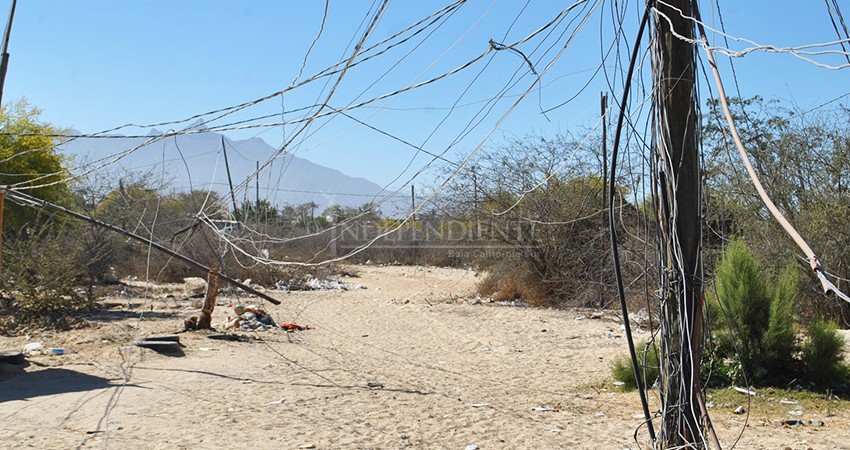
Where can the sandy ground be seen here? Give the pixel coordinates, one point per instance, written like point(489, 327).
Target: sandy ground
point(409, 362)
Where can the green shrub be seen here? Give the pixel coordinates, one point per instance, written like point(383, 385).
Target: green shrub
point(648, 363)
point(779, 339)
point(744, 307)
point(822, 354)
point(754, 316)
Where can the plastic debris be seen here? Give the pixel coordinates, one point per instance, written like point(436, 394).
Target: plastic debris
point(249, 318)
point(740, 410)
point(33, 348)
point(294, 327)
point(480, 405)
point(472, 447)
point(744, 391)
point(542, 408)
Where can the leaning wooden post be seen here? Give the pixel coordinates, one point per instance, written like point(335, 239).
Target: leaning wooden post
point(205, 321)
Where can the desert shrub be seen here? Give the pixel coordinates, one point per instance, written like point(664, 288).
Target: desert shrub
point(505, 287)
point(40, 282)
point(648, 364)
point(822, 354)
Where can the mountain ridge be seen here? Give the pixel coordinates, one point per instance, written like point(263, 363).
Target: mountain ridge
point(288, 179)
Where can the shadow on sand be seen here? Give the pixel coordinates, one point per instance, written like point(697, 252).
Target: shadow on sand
point(49, 382)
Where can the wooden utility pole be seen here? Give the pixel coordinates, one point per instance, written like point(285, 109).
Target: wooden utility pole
point(229, 180)
point(677, 172)
point(604, 113)
point(4, 55)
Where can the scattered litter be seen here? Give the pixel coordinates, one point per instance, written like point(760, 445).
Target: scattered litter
point(600, 414)
point(204, 349)
point(740, 410)
point(56, 351)
point(641, 316)
point(170, 347)
point(787, 402)
point(249, 318)
point(542, 408)
point(639, 416)
point(247, 381)
point(791, 423)
point(309, 446)
point(277, 402)
point(294, 327)
point(619, 383)
point(480, 405)
point(744, 391)
point(33, 348)
point(816, 423)
point(796, 412)
point(12, 357)
point(472, 447)
point(374, 385)
point(331, 285)
point(580, 317)
point(556, 430)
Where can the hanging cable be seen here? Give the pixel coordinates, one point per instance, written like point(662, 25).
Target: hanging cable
point(612, 190)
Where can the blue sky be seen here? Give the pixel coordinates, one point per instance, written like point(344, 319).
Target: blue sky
point(93, 65)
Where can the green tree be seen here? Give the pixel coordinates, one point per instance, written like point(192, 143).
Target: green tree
point(262, 211)
point(28, 158)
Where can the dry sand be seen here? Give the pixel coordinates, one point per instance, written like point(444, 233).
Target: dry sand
point(409, 362)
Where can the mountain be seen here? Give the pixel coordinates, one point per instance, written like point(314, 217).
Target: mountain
point(198, 157)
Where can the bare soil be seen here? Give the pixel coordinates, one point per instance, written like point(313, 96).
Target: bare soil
point(412, 361)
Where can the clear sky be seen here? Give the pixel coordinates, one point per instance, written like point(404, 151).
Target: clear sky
point(93, 65)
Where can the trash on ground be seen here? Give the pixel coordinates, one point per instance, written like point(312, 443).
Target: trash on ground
point(33, 348)
point(744, 391)
point(317, 284)
point(740, 410)
point(56, 351)
point(294, 327)
point(12, 357)
point(480, 405)
point(542, 408)
point(249, 318)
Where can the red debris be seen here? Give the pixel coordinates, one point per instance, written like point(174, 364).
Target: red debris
point(294, 327)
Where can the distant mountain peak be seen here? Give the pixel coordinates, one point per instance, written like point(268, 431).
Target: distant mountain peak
point(199, 125)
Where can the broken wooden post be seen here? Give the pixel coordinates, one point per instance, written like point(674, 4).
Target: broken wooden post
point(205, 321)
